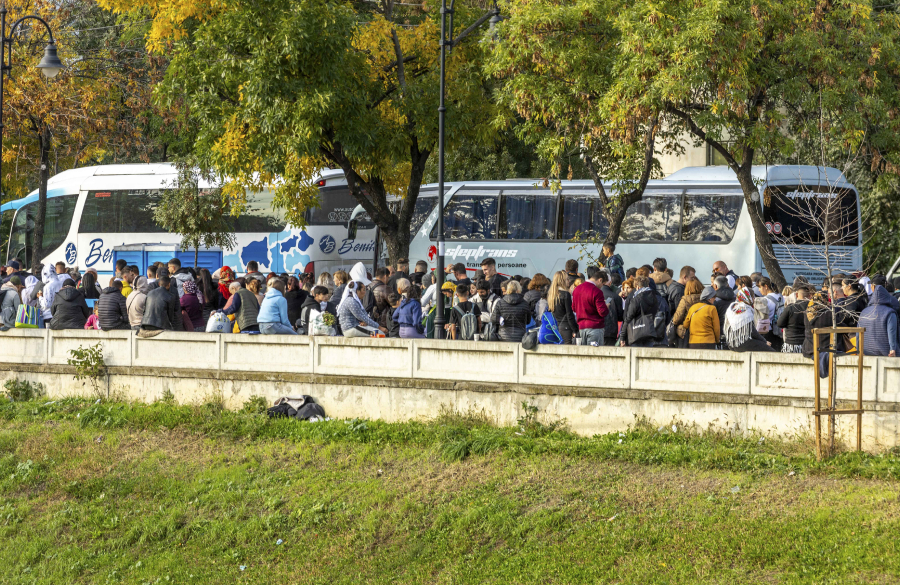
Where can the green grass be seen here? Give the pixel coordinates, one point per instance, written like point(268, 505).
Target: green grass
point(122, 493)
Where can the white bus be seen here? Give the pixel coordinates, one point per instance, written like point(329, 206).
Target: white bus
point(95, 214)
point(694, 217)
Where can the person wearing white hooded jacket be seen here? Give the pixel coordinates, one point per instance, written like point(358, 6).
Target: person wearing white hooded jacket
point(52, 285)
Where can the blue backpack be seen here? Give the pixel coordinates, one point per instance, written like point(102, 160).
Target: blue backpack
point(549, 331)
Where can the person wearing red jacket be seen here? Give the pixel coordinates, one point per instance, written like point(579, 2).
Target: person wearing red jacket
point(590, 308)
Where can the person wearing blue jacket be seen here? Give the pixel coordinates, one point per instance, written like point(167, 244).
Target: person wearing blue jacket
point(881, 323)
point(409, 314)
point(273, 313)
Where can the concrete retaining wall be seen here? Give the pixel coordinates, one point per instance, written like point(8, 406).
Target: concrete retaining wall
point(595, 389)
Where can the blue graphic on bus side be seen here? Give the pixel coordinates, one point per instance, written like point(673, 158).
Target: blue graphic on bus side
point(70, 253)
point(327, 244)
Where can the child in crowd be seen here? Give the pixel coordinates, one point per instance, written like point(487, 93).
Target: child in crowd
point(93, 321)
point(393, 327)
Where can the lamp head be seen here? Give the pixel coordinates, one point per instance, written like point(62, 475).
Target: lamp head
point(50, 63)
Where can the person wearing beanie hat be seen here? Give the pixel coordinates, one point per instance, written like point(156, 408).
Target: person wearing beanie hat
point(9, 306)
point(702, 322)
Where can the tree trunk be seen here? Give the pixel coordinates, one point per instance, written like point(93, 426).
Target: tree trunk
point(618, 216)
point(397, 243)
point(763, 238)
point(37, 250)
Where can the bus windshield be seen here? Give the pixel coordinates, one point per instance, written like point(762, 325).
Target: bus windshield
point(799, 214)
point(56, 227)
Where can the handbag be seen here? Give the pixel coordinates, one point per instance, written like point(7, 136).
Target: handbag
point(26, 317)
point(489, 332)
point(641, 329)
point(530, 341)
point(672, 339)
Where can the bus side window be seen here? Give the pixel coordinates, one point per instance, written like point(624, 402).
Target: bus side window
point(527, 215)
point(710, 217)
point(470, 216)
point(581, 215)
point(655, 218)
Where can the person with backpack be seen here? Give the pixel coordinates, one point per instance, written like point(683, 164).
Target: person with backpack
point(739, 328)
point(614, 263)
point(776, 306)
point(536, 290)
point(590, 306)
point(465, 318)
point(640, 315)
point(375, 302)
point(559, 303)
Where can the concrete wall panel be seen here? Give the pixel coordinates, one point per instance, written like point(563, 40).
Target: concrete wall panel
point(116, 345)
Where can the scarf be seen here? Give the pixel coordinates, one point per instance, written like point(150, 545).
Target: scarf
point(739, 319)
point(226, 277)
point(350, 296)
point(190, 287)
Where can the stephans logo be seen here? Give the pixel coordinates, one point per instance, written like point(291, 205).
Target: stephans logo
point(479, 253)
point(327, 244)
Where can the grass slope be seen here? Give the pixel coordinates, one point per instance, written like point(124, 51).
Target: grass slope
point(119, 493)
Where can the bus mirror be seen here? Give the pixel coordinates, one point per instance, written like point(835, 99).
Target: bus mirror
point(351, 229)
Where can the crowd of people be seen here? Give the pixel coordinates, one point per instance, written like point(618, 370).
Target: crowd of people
point(607, 305)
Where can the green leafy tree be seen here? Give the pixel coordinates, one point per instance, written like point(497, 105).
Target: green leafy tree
point(558, 63)
point(752, 77)
point(200, 215)
point(280, 90)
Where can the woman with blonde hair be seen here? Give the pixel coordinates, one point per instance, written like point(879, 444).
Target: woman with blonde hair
point(326, 281)
point(559, 302)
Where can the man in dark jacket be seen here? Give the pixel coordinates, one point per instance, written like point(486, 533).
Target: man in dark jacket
point(611, 323)
point(163, 309)
point(792, 321)
point(375, 300)
point(69, 309)
point(724, 296)
point(113, 313)
point(401, 272)
point(14, 269)
point(881, 321)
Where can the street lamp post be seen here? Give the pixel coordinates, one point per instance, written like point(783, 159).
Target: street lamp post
point(448, 42)
point(49, 64)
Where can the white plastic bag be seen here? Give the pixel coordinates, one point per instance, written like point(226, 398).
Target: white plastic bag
point(317, 325)
point(218, 323)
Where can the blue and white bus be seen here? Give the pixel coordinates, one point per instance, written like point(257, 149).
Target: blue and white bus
point(694, 217)
point(96, 213)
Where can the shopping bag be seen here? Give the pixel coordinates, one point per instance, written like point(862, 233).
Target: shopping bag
point(27, 317)
point(218, 323)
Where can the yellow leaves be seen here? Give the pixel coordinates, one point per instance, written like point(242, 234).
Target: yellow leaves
point(169, 16)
